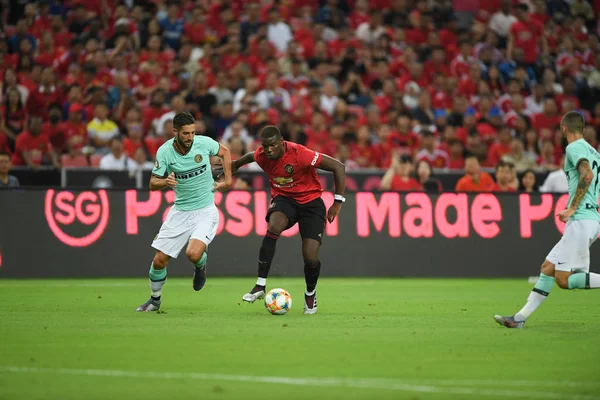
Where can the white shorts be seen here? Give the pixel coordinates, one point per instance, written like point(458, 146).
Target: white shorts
point(181, 226)
point(572, 252)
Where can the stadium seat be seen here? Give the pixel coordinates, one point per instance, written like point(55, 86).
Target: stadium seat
point(95, 160)
point(78, 161)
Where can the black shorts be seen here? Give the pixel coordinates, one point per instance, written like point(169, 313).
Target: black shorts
point(309, 216)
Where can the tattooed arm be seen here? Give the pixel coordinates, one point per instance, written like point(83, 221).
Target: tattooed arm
point(585, 179)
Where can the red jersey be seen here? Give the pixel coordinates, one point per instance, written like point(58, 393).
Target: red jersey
point(526, 36)
point(485, 184)
point(56, 136)
point(4, 144)
point(496, 151)
point(408, 184)
point(75, 130)
point(38, 146)
point(294, 174)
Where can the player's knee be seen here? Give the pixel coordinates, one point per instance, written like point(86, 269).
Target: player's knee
point(277, 224)
point(160, 261)
point(194, 255)
point(310, 261)
point(547, 268)
point(562, 281)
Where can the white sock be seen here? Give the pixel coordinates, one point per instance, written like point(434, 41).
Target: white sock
point(533, 302)
point(156, 288)
point(594, 280)
point(261, 281)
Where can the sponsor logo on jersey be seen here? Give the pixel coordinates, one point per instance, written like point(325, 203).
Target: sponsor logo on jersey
point(156, 164)
point(198, 158)
point(289, 169)
point(283, 181)
point(190, 174)
point(314, 161)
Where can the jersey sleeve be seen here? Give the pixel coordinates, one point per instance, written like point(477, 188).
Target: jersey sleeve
point(309, 158)
point(213, 146)
point(576, 152)
point(259, 156)
point(160, 164)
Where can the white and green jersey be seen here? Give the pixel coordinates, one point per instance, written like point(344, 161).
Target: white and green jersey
point(193, 173)
point(577, 151)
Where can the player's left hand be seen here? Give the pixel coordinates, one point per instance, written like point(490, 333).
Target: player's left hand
point(334, 211)
point(566, 214)
point(222, 186)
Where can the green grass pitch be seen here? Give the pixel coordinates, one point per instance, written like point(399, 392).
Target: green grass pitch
point(372, 339)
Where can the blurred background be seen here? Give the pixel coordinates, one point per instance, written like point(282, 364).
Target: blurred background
point(402, 91)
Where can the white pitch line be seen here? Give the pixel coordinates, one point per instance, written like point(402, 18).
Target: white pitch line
point(329, 382)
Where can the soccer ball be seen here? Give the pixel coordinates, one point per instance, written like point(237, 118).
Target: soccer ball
point(278, 302)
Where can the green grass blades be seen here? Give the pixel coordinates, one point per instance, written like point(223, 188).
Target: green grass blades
point(372, 339)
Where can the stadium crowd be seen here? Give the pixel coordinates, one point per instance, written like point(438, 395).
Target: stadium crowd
point(377, 84)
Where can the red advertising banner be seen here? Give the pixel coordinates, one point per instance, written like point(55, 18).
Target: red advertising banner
point(100, 233)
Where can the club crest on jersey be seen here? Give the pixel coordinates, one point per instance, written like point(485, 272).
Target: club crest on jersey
point(289, 169)
point(156, 164)
point(198, 158)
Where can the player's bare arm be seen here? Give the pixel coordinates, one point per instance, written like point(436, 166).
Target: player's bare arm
point(225, 155)
point(585, 179)
point(158, 183)
point(247, 158)
point(339, 178)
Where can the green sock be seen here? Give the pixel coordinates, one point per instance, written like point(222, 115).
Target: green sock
point(544, 284)
point(579, 280)
point(202, 261)
point(158, 277)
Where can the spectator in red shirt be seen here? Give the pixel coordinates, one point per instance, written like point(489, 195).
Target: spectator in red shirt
point(548, 159)
point(47, 93)
point(435, 157)
point(194, 30)
point(397, 178)
point(549, 118)
point(75, 130)
point(526, 34)
point(134, 139)
point(53, 129)
point(570, 87)
point(456, 159)
point(501, 147)
point(33, 148)
point(12, 115)
point(475, 180)
point(504, 179)
point(460, 65)
point(362, 150)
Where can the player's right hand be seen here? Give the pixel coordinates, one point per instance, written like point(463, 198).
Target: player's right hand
point(171, 182)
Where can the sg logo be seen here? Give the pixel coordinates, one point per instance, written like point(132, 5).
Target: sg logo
point(71, 212)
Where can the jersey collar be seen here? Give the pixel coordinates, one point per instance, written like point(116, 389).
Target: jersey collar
point(177, 148)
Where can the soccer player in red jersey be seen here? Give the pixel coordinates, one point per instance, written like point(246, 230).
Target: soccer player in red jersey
point(295, 197)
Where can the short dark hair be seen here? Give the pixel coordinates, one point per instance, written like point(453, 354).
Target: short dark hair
point(573, 121)
point(503, 163)
point(270, 131)
point(182, 119)
point(5, 153)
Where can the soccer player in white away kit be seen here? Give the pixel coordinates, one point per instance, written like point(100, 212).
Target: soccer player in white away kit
point(568, 263)
point(183, 163)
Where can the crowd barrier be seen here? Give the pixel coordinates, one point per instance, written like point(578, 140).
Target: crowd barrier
point(102, 233)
